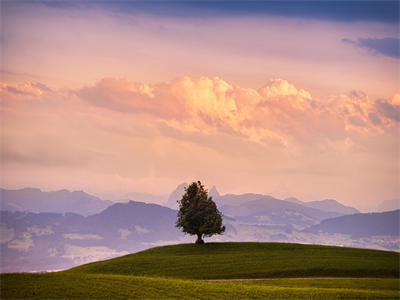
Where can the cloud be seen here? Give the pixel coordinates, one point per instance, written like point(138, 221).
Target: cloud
point(14, 90)
point(89, 254)
point(140, 229)
point(179, 99)
point(124, 233)
point(52, 252)
point(22, 244)
point(35, 230)
point(6, 234)
point(117, 92)
point(204, 110)
point(374, 118)
point(381, 46)
point(28, 90)
point(356, 121)
point(280, 87)
point(115, 136)
point(388, 110)
point(86, 236)
point(277, 113)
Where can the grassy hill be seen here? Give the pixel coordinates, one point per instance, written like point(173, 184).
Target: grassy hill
point(212, 271)
point(249, 260)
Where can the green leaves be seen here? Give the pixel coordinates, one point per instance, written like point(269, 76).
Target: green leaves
point(198, 214)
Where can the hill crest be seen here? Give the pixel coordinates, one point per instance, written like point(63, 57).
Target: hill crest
point(249, 260)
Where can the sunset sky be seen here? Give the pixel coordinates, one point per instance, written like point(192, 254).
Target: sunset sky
point(282, 98)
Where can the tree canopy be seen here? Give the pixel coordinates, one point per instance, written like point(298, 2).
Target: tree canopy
point(198, 214)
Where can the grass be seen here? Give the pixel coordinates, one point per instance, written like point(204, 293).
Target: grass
point(180, 271)
point(99, 286)
point(250, 260)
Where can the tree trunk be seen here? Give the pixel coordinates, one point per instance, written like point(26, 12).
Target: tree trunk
point(199, 239)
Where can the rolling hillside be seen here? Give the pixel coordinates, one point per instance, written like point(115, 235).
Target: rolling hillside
point(265, 270)
point(249, 260)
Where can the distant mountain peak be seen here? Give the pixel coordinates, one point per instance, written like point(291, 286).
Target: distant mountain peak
point(176, 195)
point(213, 192)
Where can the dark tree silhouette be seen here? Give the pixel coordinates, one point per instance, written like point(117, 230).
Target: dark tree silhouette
point(198, 214)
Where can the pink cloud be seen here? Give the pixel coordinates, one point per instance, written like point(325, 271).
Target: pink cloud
point(278, 112)
point(116, 136)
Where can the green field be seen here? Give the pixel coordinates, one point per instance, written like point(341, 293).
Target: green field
point(250, 260)
point(222, 271)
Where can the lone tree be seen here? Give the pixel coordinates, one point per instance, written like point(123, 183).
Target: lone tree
point(198, 214)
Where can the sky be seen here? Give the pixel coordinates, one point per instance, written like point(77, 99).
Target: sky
point(286, 98)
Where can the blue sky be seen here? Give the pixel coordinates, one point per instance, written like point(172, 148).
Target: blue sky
point(348, 11)
point(383, 11)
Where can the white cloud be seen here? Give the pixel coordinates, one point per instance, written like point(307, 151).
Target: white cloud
point(86, 236)
point(40, 231)
point(124, 233)
point(6, 234)
point(52, 252)
point(23, 244)
point(88, 254)
point(140, 229)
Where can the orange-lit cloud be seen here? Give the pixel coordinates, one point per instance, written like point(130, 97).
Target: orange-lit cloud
point(117, 136)
point(277, 111)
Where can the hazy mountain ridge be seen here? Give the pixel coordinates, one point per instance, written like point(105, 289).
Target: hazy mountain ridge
point(239, 205)
point(62, 201)
point(260, 209)
point(43, 241)
point(330, 205)
point(39, 241)
point(361, 225)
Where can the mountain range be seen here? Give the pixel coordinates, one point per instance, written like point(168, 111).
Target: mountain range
point(261, 209)
point(34, 240)
point(264, 209)
point(30, 241)
point(326, 205)
point(361, 225)
point(63, 201)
